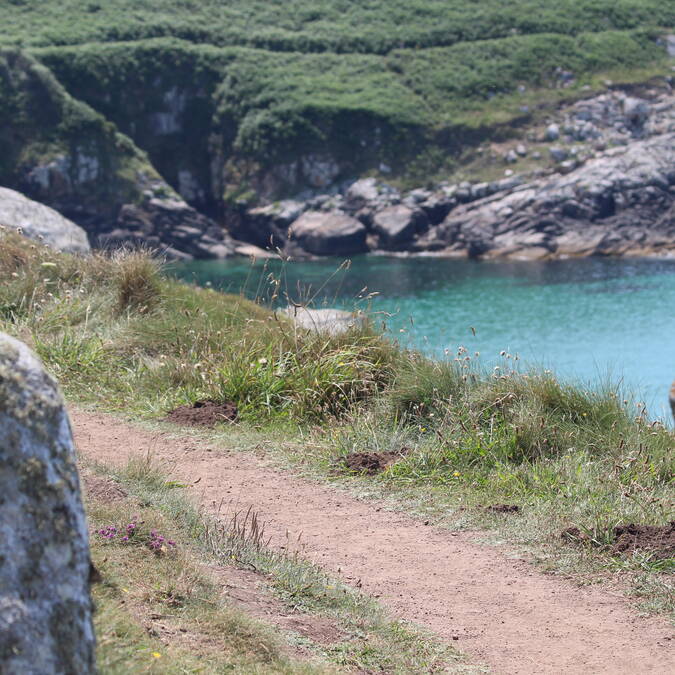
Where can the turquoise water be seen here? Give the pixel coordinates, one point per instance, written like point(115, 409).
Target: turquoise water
point(588, 320)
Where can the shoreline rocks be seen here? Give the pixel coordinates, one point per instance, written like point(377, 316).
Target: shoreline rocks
point(614, 197)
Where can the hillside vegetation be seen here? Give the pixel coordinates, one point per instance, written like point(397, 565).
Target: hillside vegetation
point(374, 27)
point(246, 99)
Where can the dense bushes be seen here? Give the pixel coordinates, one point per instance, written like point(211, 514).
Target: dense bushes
point(374, 27)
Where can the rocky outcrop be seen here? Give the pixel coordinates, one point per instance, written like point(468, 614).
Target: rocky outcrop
point(60, 152)
point(327, 320)
point(39, 222)
point(45, 608)
point(328, 234)
point(170, 226)
point(395, 226)
point(611, 191)
point(622, 202)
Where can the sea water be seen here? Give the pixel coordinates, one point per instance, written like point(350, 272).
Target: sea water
point(591, 320)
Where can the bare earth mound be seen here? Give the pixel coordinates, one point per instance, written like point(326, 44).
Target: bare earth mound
point(497, 609)
point(369, 463)
point(203, 414)
point(657, 540)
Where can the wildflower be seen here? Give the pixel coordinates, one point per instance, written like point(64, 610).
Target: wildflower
point(262, 361)
point(456, 474)
point(156, 655)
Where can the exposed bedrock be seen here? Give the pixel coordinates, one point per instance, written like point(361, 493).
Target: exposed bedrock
point(610, 192)
point(61, 153)
point(45, 608)
point(620, 203)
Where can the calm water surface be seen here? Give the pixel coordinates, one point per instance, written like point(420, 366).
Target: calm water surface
point(588, 320)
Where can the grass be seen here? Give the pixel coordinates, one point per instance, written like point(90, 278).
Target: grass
point(121, 336)
point(199, 629)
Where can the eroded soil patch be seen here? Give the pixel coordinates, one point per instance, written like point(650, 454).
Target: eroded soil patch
point(100, 489)
point(370, 463)
point(503, 508)
point(203, 414)
point(658, 540)
point(246, 590)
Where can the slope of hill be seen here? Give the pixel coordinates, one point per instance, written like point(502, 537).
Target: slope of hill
point(245, 102)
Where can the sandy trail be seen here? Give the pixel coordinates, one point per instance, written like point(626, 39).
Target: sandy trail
point(499, 611)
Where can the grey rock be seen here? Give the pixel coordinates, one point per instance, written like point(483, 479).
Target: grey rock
point(45, 608)
point(437, 207)
point(40, 222)
point(362, 192)
point(622, 201)
point(521, 150)
point(670, 49)
point(323, 233)
point(168, 224)
point(552, 132)
point(558, 154)
point(636, 112)
point(329, 321)
point(396, 225)
point(267, 226)
point(511, 157)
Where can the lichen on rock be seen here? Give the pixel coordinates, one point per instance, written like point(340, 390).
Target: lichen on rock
point(45, 606)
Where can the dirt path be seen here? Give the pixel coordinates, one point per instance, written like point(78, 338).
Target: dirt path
point(498, 610)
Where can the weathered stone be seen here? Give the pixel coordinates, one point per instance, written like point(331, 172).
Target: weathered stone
point(38, 221)
point(328, 233)
point(558, 154)
point(623, 201)
point(552, 132)
point(267, 226)
point(636, 112)
point(396, 225)
point(361, 193)
point(173, 224)
point(45, 607)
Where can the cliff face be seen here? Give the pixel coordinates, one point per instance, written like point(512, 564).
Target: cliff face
point(60, 152)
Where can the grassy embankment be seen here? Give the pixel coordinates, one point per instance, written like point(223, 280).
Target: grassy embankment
point(121, 336)
point(408, 85)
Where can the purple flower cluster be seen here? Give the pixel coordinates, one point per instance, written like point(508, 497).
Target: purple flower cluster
point(109, 532)
point(157, 542)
